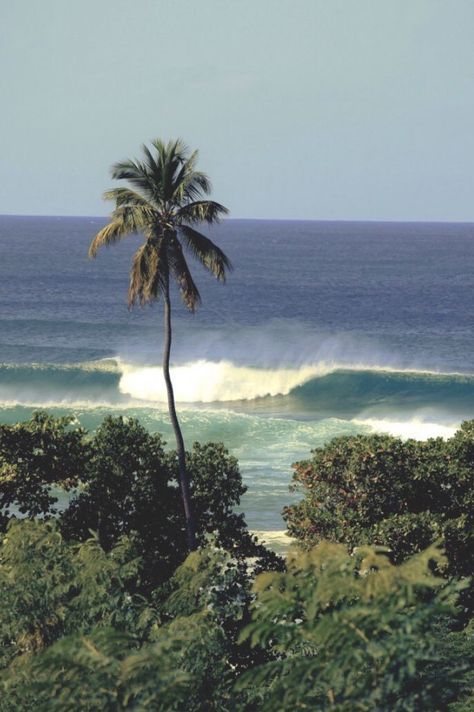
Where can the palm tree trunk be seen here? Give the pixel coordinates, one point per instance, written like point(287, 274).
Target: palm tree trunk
point(183, 475)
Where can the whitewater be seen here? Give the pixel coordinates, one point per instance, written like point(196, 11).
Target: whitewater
point(323, 329)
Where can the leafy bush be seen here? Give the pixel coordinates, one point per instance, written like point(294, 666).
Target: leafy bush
point(34, 456)
point(125, 484)
point(127, 489)
point(333, 631)
point(349, 633)
point(380, 490)
point(78, 640)
point(50, 588)
point(106, 670)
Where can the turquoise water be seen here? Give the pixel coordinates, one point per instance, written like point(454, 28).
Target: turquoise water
point(323, 329)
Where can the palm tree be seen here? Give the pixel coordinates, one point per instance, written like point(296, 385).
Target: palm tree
point(164, 202)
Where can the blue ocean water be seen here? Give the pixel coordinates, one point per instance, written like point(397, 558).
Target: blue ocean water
point(323, 328)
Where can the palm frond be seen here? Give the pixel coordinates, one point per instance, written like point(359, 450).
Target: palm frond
point(208, 254)
point(174, 147)
point(126, 196)
point(180, 270)
point(207, 211)
point(137, 174)
point(170, 158)
point(188, 166)
point(150, 160)
point(186, 177)
point(149, 273)
point(188, 182)
point(125, 221)
point(194, 185)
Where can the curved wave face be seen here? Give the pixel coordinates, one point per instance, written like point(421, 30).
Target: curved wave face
point(48, 384)
point(385, 391)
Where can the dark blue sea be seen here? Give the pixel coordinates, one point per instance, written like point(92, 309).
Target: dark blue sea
point(323, 328)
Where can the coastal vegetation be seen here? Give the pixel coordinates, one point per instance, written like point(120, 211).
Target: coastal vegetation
point(104, 608)
point(381, 490)
point(164, 201)
point(121, 482)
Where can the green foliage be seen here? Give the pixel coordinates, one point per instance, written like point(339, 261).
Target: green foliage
point(349, 632)
point(127, 489)
point(333, 631)
point(98, 648)
point(219, 584)
point(126, 476)
point(216, 488)
point(406, 533)
point(210, 579)
point(49, 588)
point(121, 619)
point(404, 495)
point(104, 670)
point(213, 472)
point(34, 456)
point(349, 485)
point(194, 649)
point(126, 485)
point(455, 665)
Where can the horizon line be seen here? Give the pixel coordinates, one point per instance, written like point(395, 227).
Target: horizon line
point(230, 219)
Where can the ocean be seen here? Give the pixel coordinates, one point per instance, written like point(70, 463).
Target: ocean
point(323, 329)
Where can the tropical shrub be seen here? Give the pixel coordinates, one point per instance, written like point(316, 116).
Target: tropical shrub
point(220, 583)
point(50, 587)
point(125, 484)
point(106, 670)
point(332, 632)
point(349, 632)
point(34, 457)
point(380, 490)
point(102, 609)
point(127, 489)
point(78, 640)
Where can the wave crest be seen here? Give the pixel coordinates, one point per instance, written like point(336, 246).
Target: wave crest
point(209, 381)
point(324, 384)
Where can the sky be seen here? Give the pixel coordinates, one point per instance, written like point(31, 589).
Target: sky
point(301, 109)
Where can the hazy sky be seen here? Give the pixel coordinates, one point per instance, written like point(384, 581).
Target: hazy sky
point(324, 109)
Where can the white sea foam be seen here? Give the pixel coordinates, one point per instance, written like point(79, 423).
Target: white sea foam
point(416, 428)
point(277, 539)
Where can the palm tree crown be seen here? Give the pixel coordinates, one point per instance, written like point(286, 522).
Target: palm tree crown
point(164, 203)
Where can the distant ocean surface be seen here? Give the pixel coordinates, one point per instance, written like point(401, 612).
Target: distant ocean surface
point(323, 329)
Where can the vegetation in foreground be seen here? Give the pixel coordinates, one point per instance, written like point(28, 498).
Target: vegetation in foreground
point(104, 609)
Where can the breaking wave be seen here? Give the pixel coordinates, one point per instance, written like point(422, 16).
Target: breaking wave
point(211, 381)
point(318, 390)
